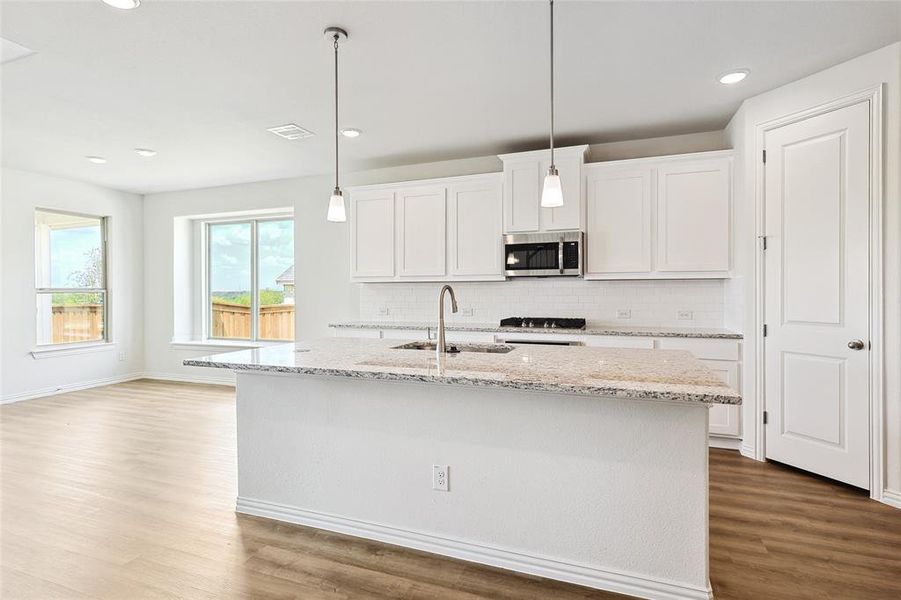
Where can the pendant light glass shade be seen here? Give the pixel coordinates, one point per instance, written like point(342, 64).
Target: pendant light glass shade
point(552, 193)
point(336, 212)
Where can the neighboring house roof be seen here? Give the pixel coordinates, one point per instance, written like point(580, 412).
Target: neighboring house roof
point(286, 277)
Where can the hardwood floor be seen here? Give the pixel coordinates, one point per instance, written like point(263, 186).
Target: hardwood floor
point(127, 492)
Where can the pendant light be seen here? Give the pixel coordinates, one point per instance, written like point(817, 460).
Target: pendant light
point(336, 211)
point(552, 194)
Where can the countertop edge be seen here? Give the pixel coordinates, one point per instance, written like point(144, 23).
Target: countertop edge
point(579, 390)
point(725, 335)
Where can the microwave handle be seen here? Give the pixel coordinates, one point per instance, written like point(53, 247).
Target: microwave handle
point(560, 255)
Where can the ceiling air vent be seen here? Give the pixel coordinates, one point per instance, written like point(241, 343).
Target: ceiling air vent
point(291, 132)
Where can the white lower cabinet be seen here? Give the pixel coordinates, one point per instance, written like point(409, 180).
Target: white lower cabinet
point(725, 420)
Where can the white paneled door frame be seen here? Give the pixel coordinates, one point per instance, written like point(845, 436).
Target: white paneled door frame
point(754, 431)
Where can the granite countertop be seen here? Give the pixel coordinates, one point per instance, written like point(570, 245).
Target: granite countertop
point(638, 331)
point(663, 375)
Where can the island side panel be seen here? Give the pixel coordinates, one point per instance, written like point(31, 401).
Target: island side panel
point(603, 488)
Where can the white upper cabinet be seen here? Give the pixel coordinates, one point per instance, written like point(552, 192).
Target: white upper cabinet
point(619, 221)
point(660, 218)
point(435, 230)
point(524, 174)
point(372, 234)
point(522, 195)
point(475, 225)
point(421, 231)
point(694, 216)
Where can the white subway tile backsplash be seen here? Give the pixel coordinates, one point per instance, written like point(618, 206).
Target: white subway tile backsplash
point(651, 303)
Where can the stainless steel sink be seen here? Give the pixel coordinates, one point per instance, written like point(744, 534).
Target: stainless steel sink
point(453, 348)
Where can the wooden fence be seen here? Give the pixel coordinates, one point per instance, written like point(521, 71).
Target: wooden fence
point(79, 323)
point(234, 320)
point(83, 323)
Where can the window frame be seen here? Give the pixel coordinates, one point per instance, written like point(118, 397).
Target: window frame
point(206, 292)
point(104, 291)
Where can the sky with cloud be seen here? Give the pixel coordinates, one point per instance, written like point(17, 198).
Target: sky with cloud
point(230, 254)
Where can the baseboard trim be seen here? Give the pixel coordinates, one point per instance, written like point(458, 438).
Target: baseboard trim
point(891, 498)
point(69, 387)
point(189, 378)
point(613, 581)
point(724, 442)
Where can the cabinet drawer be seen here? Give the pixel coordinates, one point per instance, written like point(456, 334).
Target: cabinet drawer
point(618, 341)
point(704, 348)
point(405, 334)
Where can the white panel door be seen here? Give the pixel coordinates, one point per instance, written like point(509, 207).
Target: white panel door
point(817, 282)
point(618, 232)
point(475, 228)
point(372, 237)
point(694, 216)
point(568, 216)
point(725, 419)
point(522, 189)
point(422, 238)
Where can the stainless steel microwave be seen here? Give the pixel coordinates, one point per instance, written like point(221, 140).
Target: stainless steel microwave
point(543, 254)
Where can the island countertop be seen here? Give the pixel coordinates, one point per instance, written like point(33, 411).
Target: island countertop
point(663, 375)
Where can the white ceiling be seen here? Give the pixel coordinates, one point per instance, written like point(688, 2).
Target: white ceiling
point(201, 81)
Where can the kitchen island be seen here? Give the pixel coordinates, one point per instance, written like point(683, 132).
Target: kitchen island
point(587, 465)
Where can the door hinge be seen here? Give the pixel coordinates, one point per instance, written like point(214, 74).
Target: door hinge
point(764, 330)
point(764, 157)
point(765, 417)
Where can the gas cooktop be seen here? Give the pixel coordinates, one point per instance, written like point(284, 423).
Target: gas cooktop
point(543, 322)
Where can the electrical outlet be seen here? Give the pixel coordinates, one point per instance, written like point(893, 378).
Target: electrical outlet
point(623, 313)
point(440, 478)
point(383, 311)
point(685, 315)
point(466, 312)
point(122, 356)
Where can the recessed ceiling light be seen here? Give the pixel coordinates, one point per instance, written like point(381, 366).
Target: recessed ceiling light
point(97, 160)
point(351, 132)
point(145, 152)
point(733, 76)
point(123, 4)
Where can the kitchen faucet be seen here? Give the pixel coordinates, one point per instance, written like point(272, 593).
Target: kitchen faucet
point(440, 347)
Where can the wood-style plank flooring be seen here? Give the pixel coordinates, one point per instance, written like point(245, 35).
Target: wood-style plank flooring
point(127, 492)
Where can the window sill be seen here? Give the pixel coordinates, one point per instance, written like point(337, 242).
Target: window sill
point(221, 344)
point(58, 350)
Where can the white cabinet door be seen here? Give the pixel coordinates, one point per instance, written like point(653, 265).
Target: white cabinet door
point(372, 237)
point(619, 227)
point(694, 216)
point(568, 216)
point(475, 228)
point(522, 196)
point(422, 238)
point(724, 419)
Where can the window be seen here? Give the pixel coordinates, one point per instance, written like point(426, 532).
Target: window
point(250, 269)
point(70, 278)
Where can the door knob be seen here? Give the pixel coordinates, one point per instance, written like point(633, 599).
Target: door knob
point(856, 344)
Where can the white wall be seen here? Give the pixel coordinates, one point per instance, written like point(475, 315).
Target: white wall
point(651, 303)
point(881, 66)
point(21, 375)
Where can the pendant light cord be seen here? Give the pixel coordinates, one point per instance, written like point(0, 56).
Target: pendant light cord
point(552, 83)
point(336, 112)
